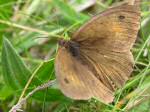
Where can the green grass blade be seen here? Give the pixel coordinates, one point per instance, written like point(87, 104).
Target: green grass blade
point(68, 12)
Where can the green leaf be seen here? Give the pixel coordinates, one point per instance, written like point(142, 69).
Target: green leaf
point(51, 95)
point(15, 72)
point(5, 92)
point(43, 73)
point(69, 12)
point(46, 71)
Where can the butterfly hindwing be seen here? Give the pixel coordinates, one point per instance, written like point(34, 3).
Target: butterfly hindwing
point(111, 68)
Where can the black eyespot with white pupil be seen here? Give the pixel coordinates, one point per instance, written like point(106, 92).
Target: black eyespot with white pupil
point(121, 17)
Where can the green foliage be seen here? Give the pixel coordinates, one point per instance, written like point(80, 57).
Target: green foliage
point(32, 28)
point(15, 72)
point(69, 13)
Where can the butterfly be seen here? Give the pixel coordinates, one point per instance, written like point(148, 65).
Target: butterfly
point(97, 59)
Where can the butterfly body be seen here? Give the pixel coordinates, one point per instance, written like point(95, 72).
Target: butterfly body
point(71, 46)
point(97, 60)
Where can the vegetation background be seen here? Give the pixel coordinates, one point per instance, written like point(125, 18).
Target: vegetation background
point(28, 43)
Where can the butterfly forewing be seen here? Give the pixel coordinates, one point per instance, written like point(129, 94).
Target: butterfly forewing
point(115, 29)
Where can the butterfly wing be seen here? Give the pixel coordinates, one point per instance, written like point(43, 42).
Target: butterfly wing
point(105, 43)
point(105, 58)
point(76, 80)
point(115, 29)
point(111, 68)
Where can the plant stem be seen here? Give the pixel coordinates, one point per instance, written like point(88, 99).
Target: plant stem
point(29, 81)
point(29, 28)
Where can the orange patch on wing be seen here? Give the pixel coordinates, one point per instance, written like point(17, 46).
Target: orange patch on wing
point(117, 28)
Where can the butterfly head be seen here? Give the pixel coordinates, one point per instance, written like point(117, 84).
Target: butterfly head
point(63, 43)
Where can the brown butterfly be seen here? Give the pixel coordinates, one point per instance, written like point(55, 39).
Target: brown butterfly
point(97, 59)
